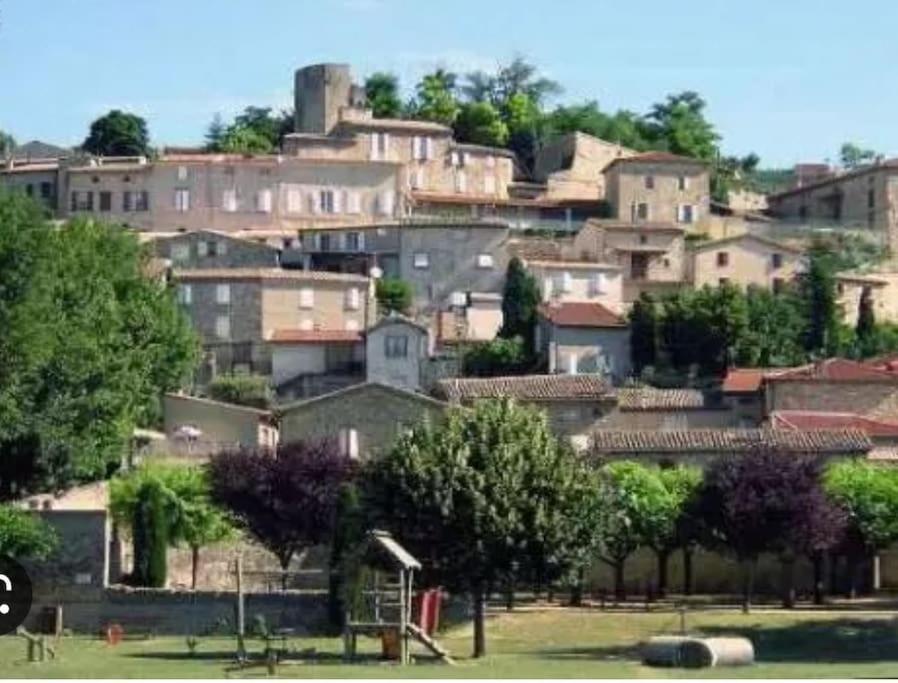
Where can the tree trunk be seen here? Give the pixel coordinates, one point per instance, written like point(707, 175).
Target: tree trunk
point(833, 573)
point(663, 557)
point(687, 571)
point(577, 589)
point(788, 581)
point(620, 591)
point(748, 584)
point(854, 563)
point(479, 625)
point(819, 588)
point(195, 560)
point(509, 594)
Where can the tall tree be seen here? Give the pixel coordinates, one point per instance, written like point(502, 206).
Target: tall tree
point(215, 134)
point(672, 527)
point(151, 526)
point(382, 92)
point(521, 77)
point(286, 500)
point(852, 156)
point(818, 288)
point(520, 299)
point(481, 124)
point(7, 144)
point(866, 320)
point(435, 98)
point(24, 535)
point(485, 495)
point(259, 123)
point(644, 330)
point(118, 133)
point(241, 139)
point(679, 125)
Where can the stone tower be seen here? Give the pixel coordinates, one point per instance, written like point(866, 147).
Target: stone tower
point(319, 91)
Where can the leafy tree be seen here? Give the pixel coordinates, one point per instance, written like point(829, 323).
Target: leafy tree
point(520, 299)
point(679, 125)
point(7, 145)
point(852, 156)
point(436, 98)
point(866, 319)
point(349, 531)
point(393, 294)
point(24, 535)
point(84, 364)
point(818, 289)
point(638, 509)
point(525, 127)
point(673, 526)
point(773, 337)
point(245, 390)
point(479, 123)
point(118, 133)
point(517, 77)
point(623, 127)
point(152, 523)
point(644, 331)
point(239, 139)
point(263, 123)
point(215, 134)
point(868, 493)
point(287, 499)
point(765, 501)
point(382, 92)
point(487, 494)
point(496, 358)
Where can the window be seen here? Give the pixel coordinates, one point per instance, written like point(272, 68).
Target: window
point(455, 159)
point(686, 213)
point(82, 201)
point(778, 285)
point(306, 297)
point(29, 189)
point(46, 190)
point(229, 200)
point(185, 294)
point(871, 219)
point(294, 200)
point(723, 259)
point(353, 202)
point(396, 346)
point(682, 183)
point(182, 200)
point(461, 181)
point(421, 148)
point(180, 253)
point(803, 212)
point(489, 184)
point(490, 161)
point(665, 262)
point(142, 202)
point(353, 243)
point(223, 327)
point(182, 173)
point(349, 443)
point(421, 260)
point(287, 243)
point(223, 294)
point(723, 281)
point(263, 201)
point(202, 248)
point(642, 211)
point(776, 261)
point(324, 242)
point(643, 239)
point(105, 201)
point(484, 260)
point(597, 284)
point(380, 146)
point(416, 178)
point(458, 299)
point(650, 182)
point(871, 199)
point(127, 201)
point(352, 299)
point(327, 202)
point(567, 282)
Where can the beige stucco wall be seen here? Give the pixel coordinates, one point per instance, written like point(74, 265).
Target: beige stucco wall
point(221, 424)
point(750, 262)
point(585, 157)
point(626, 187)
point(281, 307)
point(582, 288)
point(884, 293)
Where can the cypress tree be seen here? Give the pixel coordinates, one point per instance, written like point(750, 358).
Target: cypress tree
point(150, 534)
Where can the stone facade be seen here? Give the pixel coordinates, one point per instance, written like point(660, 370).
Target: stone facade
point(221, 425)
point(874, 399)
point(571, 165)
point(599, 350)
point(365, 419)
point(210, 249)
point(579, 281)
point(397, 351)
point(744, 260)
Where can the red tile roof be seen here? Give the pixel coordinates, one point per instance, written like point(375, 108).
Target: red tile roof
point(812, 419)
point(315, 337)
point(836, 370)
point(576, 314)
point(743, 380)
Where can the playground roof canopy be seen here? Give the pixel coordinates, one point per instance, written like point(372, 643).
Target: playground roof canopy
point(381, 546)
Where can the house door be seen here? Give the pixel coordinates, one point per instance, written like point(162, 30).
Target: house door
point(639, 266)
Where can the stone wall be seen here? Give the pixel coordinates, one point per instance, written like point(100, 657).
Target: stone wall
point(875, 399)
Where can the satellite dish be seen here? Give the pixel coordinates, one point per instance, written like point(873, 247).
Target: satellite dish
point(376, 273)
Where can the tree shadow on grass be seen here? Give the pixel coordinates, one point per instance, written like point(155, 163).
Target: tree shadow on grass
point(258, 658)
point(830, 641)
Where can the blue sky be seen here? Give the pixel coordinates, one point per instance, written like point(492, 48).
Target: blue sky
point(790, 80)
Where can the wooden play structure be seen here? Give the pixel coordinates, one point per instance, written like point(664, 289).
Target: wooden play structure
point(381, 603)
point(39, 650)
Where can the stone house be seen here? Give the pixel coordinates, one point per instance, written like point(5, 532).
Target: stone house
point(649, 408)
point(38, 179)
point(365, 419)
point(883, 433)
point(306, 363)
point(744, 260)
point(239, 311)
point(658, 187)
point(397, 350)
point(213, 249)
point(582, 337)
point(850, 287)
point(574, 404)
point(201, 426)
point(572, 165)
point(866, 198)
point(568, 281)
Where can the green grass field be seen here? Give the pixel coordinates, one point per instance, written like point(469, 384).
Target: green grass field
point(549, 643)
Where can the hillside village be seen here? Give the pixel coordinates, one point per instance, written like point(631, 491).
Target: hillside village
point(358, 282)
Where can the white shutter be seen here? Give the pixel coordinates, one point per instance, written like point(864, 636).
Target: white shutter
point(223, 293)
point(385, 203)
point(294, 200)
point(386, 140)
point(465, 159)
point(428, 148)
point(306, 297)
point(567, 282)
point(489, 184)
point(361, 241)
point(182, 173)
point(263, 201)
point(547, 288)
point(572, 364)
point(491, 161)
point(352, 299)
point(315, 201)
point(337, 195)
point(185, 294)
point(306, 324)
point(454, 159)
point(416, 147)
point(229, 200)
point(353, 202)
point(461, 181)
point(374, 155)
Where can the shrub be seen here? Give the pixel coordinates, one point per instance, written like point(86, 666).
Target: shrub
point(244, 390)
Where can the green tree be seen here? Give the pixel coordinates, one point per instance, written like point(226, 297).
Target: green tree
point(674, 526)
point(349, 531)
point(484, 495)
point(866, 320)
point(496, 358)
point(264, 125)
point(24, 535)
point(679, 125)
point(644, 331)
point(638, 507)
point(150, 534)
point(7, 144)
point(118, 133)
point(773, 337)
point(480, 123)
point(245, 390)
point(393, 294)
point(435, 98)
point(852, 156)
point(520, 299)
point(240, 139)
point(818, 289)
point(521, 77)
point(215, 134)
point(382, 92)
point(623, 127)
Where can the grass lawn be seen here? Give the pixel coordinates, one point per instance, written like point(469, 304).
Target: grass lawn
point(543, 644)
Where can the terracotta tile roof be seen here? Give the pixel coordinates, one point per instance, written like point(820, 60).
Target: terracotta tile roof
point(576, 314)
point(266, 274)
point(526, 388)
point(745, 380)
point(650, 398)
point(812, 419)
point(836, 370)
point(746, 237)
point(657, 158)
point(293, 336)
point(721, 441)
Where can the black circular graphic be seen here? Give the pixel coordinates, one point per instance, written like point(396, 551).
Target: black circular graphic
point(15, 594)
